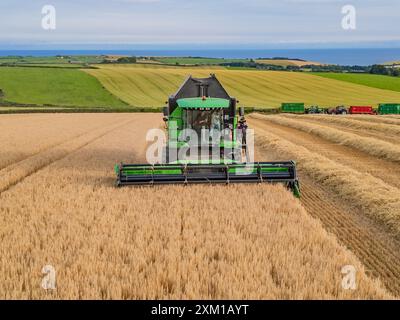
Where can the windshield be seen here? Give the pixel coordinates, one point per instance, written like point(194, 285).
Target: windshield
point(204, 119)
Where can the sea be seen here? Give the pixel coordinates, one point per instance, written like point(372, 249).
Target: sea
point(361, 57)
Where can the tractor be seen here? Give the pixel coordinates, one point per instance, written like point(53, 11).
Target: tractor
point(338, 110)
point(315, 110)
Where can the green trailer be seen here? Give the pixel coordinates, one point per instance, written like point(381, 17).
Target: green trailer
point(389, 108)
point(201, 105)
point(293, 108)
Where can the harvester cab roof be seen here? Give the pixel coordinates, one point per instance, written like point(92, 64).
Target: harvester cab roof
point(203, 103)
point(202, 93)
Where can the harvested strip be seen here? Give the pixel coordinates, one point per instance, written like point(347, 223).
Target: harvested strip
point(351, 123)
point(370, 194)
point(383, 135)
point(391, 116)
point(371, 242)
point(387, 171)
point(371, 146)
point(387, 137)
point(13, 174)
point(378, 252)
point(374, 119)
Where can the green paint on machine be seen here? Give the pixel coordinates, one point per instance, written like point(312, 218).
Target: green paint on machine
point(389, 108)
point(206, 103)
point(293, 108)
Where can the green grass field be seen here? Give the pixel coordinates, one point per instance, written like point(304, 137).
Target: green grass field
point(150, 86)
point(370, 80)
point(64, 87)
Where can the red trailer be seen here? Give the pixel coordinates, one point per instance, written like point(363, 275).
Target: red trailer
point(362, 110)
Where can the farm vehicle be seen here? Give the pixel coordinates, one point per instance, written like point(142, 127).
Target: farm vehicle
point(199, 106)
point(315, 110)
point(338, 110)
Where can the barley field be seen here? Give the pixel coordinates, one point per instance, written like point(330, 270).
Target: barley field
point(288, 62)
point(150, 85)
point(350, 176)
point(59, 207)
point(377, 197)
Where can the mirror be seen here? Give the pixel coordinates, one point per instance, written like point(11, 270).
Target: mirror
point(241, 111)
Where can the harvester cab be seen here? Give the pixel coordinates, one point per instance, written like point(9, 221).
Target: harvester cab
point(205, 143)
point(203, 108)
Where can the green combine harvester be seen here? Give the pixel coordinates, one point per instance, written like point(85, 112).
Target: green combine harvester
point(198, 105)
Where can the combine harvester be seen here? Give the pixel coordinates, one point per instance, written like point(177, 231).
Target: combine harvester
point(204, 104)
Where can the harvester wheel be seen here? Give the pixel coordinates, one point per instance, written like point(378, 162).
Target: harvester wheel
point(295, 188)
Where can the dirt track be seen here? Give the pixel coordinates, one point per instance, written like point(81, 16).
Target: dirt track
point(371, 242)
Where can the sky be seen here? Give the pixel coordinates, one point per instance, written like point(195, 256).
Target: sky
point(207, 23)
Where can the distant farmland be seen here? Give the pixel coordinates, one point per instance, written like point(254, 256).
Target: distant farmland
point(54, 86)
point(149, 86)
point(288, 62)
point(370, 80)
point(199, 61)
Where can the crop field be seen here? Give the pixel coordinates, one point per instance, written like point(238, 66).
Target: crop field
point(61, 61)
point(53, 86)
point(288, 62)
point(59, 207)
point(148, 86)
point(369, 80)
point(350, 173)
point(197, 61)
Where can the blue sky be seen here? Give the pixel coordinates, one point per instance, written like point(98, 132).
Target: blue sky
point(212, 23)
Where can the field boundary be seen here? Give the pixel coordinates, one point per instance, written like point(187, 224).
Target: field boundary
point(59, 109)
point(29, 108)
point(48, 67)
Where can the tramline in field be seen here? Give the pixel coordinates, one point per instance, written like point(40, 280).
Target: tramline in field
point(203, 104)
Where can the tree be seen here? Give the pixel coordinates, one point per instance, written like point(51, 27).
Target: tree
point(395, 72)
point(379, 69)
point(127, 60)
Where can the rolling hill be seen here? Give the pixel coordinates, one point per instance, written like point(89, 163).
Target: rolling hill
point(149, 86)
